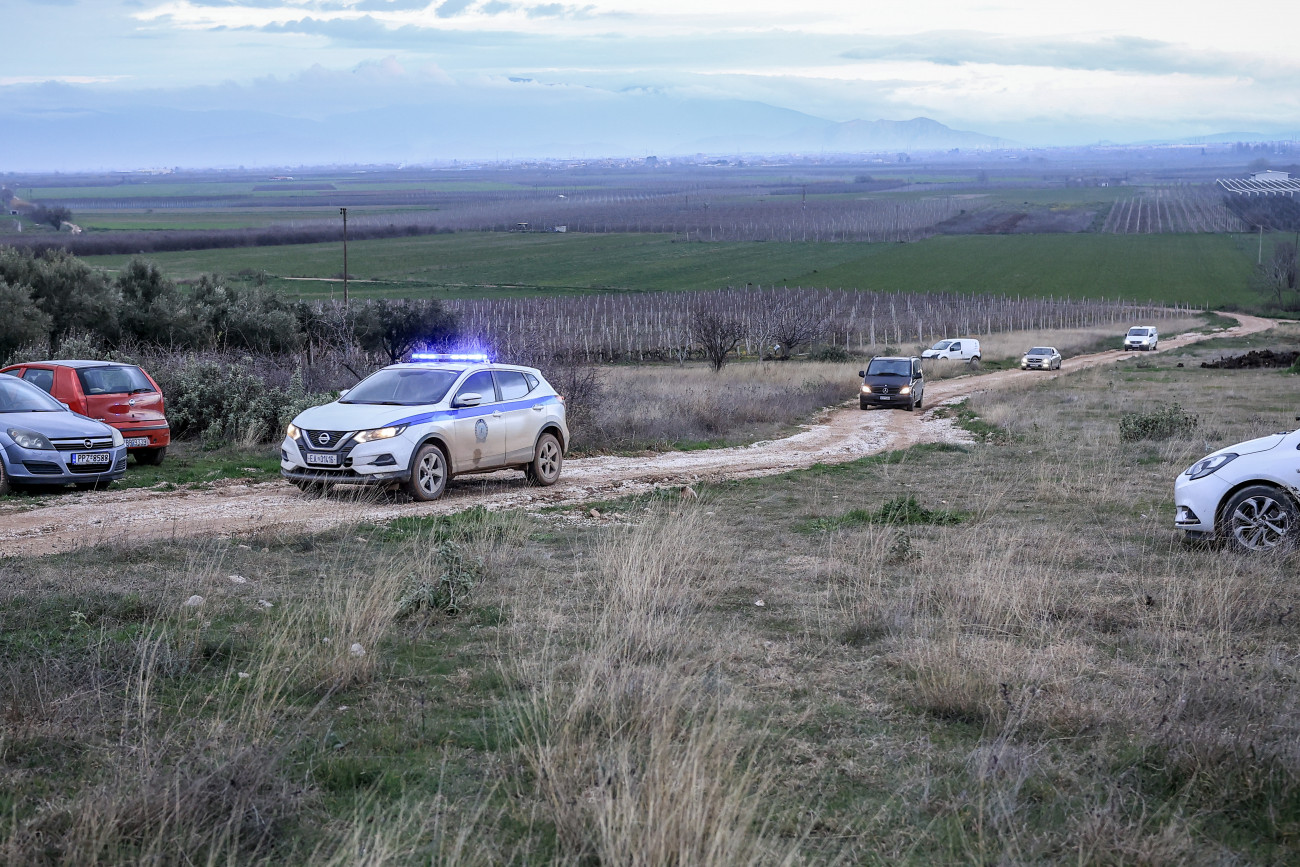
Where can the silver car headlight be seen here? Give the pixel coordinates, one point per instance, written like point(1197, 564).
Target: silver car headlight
point(30, 439)
point(118, 440)
point(379, 433)
point(1206, 466)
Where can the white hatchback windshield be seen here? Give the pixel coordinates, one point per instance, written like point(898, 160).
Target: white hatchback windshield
point(403, 387)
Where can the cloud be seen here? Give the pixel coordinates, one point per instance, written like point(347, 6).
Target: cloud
point(452, 8)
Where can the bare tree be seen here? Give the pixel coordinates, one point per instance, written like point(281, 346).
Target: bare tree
point(717, 333)
point(1279, 273)
point(788, 322)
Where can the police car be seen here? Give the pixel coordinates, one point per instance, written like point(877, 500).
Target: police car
point(416, 425)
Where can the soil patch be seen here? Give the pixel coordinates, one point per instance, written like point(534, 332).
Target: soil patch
point(1256, 358)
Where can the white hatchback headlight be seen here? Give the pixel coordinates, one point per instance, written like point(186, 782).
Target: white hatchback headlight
point(292, 431)
point(1206, 466)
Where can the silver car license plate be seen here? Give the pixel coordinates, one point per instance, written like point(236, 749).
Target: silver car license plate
point(136, 442)
point(82, 459)
point(323, 460)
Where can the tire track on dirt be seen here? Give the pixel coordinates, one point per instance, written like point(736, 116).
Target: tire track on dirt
point(230, 507)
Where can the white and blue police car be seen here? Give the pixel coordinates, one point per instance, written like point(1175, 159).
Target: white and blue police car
point(417, 424)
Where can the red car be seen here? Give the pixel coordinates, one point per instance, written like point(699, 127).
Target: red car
point(120, 395)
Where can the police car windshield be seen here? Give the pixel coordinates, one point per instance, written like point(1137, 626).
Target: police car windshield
point(403, 387)
point(889, 367)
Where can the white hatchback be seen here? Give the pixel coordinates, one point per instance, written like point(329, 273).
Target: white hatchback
point(1248, 494)
point(416, 425)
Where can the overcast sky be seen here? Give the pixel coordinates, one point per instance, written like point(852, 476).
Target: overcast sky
point(1036, 71)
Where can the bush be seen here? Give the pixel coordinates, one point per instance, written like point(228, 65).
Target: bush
point(832, 353)
point(223, 402)
point(1160, 424)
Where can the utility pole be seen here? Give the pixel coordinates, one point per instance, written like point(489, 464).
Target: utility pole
point(344, 212)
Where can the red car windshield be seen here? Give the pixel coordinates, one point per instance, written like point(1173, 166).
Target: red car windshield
point(126, 379)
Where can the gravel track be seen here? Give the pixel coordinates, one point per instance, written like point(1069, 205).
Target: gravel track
point(231, 507)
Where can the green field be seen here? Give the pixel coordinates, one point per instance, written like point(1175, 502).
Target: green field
point(1197, 269)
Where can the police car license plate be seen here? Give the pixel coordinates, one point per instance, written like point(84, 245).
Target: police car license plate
point(85, 460)
point(136, 442)
point(324, 460)
point(886, 397)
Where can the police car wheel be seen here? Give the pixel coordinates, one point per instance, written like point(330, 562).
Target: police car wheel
point(548, 458)
point(428, 474)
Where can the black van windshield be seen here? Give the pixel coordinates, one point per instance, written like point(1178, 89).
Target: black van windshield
point(889, 367)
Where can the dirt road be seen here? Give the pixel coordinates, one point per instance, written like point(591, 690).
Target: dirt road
point(230, 507)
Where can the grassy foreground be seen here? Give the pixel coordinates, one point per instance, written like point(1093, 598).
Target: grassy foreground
point(1198, 269)
point(996, 653)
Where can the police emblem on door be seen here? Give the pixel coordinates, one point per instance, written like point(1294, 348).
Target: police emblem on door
point(480, 431)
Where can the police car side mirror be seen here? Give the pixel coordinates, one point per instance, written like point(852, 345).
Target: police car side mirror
point(65, 406)
point(469, 398)
point(343, 392)
point(862, 374)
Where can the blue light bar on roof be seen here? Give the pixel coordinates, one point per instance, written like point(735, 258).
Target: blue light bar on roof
point(479, 357)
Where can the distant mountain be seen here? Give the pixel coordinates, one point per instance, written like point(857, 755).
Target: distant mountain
point(533, 123)
point(917, 134)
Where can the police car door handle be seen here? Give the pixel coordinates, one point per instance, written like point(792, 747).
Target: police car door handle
point(537, 407)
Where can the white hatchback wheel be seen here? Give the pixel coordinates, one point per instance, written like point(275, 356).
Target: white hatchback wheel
point(1260, 518)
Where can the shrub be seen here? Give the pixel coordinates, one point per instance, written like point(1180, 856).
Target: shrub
point(448, 592)
point(225, 402)
point(1159, 424)
point(832, 353)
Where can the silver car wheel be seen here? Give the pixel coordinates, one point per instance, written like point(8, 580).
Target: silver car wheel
point(1259, 519)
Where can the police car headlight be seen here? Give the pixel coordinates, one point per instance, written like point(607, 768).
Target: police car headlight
point(379, 433)
point(907, 389)
point(118, 439)
point(866, 389)
point(291, 431)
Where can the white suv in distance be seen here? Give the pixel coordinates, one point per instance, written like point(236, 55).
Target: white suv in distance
point(416, 425)
point(1248, 493)
point(1143, 337)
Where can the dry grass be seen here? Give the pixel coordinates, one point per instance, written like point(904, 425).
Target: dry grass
point(1054, 679)
point(631, 739)
point(655, 407)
